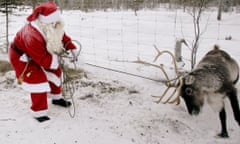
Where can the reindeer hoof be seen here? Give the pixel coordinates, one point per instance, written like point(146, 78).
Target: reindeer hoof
point(223, 135)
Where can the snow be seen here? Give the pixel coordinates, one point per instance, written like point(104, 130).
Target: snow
point(117, 108)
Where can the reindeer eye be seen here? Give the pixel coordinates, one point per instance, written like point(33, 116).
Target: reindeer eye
point(188, 91)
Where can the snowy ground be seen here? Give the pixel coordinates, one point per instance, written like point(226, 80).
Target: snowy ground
point(115, 108)
point(109, 109)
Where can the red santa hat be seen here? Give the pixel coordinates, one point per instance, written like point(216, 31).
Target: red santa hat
point(46, 13)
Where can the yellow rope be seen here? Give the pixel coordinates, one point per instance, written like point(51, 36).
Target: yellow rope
point(20, 79)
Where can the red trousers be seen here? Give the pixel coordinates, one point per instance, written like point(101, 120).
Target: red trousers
point(39, 100)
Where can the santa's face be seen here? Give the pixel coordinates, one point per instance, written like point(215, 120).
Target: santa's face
point(53, 33)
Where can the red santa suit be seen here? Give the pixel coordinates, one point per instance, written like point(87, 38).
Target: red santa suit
point(39, 68)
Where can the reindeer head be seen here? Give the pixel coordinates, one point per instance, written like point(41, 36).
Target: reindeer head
point(190, 93)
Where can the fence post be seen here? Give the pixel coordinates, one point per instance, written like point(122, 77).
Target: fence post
point(178, 50)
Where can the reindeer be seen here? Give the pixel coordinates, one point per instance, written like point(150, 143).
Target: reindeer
point(213, 79)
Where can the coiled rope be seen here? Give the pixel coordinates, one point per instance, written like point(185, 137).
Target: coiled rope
point(69, 75)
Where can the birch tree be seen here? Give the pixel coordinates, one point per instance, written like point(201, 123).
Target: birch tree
point(196, 13)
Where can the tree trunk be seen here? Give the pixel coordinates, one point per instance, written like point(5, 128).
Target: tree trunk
point(34, 3)
point(219, 15)
point(7, 42)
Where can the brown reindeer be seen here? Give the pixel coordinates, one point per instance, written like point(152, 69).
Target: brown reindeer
point(213, 79)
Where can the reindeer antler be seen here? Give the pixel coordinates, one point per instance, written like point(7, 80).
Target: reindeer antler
point(176, 83)
point(177, 99)
point(172, 56)
point(170, 84)
point(154, 65)
point(173, 83)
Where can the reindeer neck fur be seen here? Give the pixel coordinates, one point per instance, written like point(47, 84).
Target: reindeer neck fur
point(212, 80)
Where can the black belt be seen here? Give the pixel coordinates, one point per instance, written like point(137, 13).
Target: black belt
point(17, 49)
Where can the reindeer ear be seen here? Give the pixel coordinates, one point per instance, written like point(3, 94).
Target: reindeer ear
point(189, 79)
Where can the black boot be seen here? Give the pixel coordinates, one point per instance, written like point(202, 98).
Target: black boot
point(61, 102)
point(42, 118)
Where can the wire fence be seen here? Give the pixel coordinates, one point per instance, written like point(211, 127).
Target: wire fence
point(115, 39)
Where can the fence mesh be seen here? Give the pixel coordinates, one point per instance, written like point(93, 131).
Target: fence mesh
point(114, 39)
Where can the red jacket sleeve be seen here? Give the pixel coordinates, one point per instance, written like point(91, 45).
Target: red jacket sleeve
point(67, 42)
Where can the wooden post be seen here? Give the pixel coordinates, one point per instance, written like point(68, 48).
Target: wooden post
point(178, 50)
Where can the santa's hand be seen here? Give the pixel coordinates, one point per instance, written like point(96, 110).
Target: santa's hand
point(75, 53)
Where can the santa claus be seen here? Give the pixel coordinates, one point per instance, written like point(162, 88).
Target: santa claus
point(34, 56)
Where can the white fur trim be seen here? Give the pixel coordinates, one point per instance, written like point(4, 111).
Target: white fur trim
point(24, 58)
point(36, 88)
point(53, 17)
point(53, 78)
point(54, 63)
point(39, 113)
point(54, 96)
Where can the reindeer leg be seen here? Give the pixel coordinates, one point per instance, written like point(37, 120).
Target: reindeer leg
point(222, 115)
point(235, 106)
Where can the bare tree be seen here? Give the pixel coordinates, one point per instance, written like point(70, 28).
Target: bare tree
point(7, 23)
point(196, 12)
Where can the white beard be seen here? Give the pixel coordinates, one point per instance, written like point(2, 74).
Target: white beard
point(53, 34)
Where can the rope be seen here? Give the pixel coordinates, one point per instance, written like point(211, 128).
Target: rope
point(131, 74)
point(20, 79)
point(68, 88)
